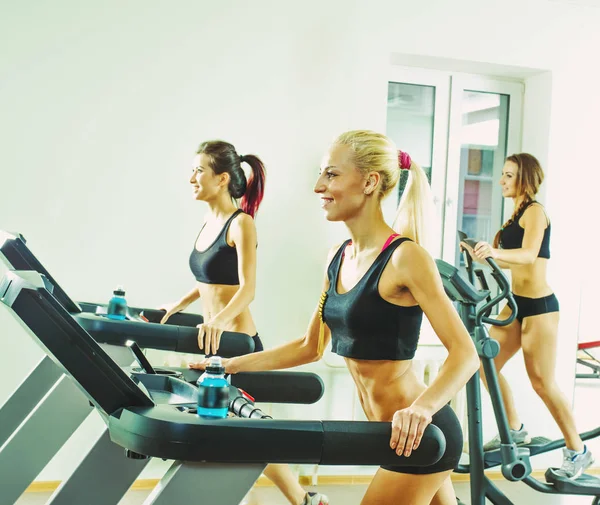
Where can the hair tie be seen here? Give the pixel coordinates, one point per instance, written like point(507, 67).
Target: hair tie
point(404, 160)
point(242, 158)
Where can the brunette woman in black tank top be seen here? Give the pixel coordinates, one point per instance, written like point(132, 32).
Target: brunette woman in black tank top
point(223, 261)
point(397, 281)
point(523, 246)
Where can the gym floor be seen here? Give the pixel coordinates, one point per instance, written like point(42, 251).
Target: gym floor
point(586, 393)
point(520, 494)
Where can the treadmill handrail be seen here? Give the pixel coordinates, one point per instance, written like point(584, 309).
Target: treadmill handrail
point(160, 336)
point(167, 432)
point(152, 315)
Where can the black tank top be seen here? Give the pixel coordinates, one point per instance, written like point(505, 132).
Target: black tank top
point(365, 326)
point(218, 264)
point(511, 237)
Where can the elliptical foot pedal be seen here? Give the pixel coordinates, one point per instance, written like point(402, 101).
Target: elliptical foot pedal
point(583, 485)
point(536, 446)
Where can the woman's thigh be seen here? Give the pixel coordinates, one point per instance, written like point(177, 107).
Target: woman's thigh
point(509, 338)
point(393, 488)
point(539, 342)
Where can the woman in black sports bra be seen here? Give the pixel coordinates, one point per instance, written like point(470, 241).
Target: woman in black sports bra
point(223, 261)
point(523, 246)
point(375, 292)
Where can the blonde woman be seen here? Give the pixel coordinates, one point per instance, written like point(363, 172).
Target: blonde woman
point(523, 246)
point(376, 288)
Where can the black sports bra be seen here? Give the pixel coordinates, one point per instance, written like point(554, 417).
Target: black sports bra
point(218, 264)
point(511, 237)
point(365, 326)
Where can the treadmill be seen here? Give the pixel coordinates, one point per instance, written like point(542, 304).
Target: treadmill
point(45, 409)
point(152, 416)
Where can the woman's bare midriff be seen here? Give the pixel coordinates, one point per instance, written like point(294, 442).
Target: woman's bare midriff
point(215, 297)
point(384, 386)
point(530, 280)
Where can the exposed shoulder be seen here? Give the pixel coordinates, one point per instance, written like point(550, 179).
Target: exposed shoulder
point(410, 258)
point(535, 215)
point(409, 251)
point(242, 226)
point(243, 221)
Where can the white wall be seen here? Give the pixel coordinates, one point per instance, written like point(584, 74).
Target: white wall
point(103, 105)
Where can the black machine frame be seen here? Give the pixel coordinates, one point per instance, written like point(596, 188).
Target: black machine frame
point(474, 306)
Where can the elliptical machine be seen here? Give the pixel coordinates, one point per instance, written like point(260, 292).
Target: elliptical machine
point(475, 306)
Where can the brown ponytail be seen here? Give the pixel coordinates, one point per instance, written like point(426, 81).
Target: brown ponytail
point(518, 210)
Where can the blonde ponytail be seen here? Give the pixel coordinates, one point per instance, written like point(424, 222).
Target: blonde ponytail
point(416, 209)
point(376, 152)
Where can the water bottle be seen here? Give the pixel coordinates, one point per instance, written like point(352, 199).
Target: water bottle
point(117, 306)
point(213, 391)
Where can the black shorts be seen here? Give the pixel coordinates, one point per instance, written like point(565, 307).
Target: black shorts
point(258, 346)
point(527, 307)
point(445, 419)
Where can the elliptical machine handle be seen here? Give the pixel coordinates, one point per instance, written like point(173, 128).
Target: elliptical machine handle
point(505, 292)
point(484, 286)
point(499, 275)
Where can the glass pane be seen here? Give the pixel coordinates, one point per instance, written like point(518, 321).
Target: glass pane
point(410, 109)
point(483, 150)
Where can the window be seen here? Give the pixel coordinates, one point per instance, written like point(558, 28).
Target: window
point(459, 128)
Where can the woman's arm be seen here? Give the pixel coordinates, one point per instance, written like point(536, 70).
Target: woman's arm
point(422, 279)
point(243, 235)
point(417, 272)
point(471, 252)
point(297, 352)
point(190, 297)
point(535, 223)
point(501, 264)
point(179, 305)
